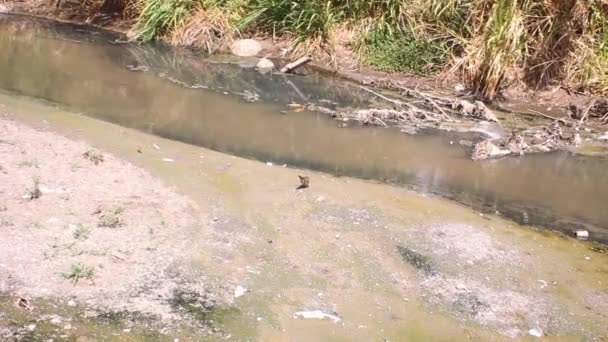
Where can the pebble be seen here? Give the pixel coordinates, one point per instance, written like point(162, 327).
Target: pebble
point(168, 160)
point(56, 320)
point(536, 332)
point(239, 291)
point(71, 303)
point(269, 163)
point(587, 258)
point(67, 326)
point(31, 327)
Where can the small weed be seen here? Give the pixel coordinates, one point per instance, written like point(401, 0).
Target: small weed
point(94, 157)
point(6, 223)
point(112, 218)
point(81, 232)
point(75, 167)
point(29, 163)
point(79, 271)
point(34, 192)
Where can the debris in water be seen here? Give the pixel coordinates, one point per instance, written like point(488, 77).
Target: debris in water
point(582, 235)
point(156, 147)
point(169, 160)
point(317, 314)
point(239, 291)
point(304, 182)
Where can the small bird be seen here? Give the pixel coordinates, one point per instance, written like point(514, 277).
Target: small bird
point(304, 182)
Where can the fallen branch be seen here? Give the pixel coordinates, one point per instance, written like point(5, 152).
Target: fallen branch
point(395, 102)
point(289, 68)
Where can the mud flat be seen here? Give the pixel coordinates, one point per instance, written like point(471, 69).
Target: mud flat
point(111, 233)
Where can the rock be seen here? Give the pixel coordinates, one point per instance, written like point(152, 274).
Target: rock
point(265, 64)
point(56, 320)
point(536, 332)
point(31, 327)
point(67, 326)
point(4, 8)
point(239, 291)
point(603, 136)
point(245, 48)
point(71, 303)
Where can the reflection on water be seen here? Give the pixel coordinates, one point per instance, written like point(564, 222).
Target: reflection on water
point(179, 95)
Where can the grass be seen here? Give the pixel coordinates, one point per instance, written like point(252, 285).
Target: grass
point(403, 52)
point(29, 163)
point(79, 271)
point(81, 232)
point(487, 43)
point(112, 218)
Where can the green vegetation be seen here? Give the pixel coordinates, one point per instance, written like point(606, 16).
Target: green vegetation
point(488, 44)
point(112, 218)
point(403, 52)
point(81, 232)
point(79, 271)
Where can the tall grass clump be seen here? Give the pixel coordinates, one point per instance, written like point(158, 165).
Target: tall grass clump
point(159, 17)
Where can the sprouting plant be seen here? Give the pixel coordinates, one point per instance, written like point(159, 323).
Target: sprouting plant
point(112, 218)
point(34, 192)
point(81, 232)
point(29, 163)
point(79, 271)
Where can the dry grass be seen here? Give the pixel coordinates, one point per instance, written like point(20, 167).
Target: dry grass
point(208, 29)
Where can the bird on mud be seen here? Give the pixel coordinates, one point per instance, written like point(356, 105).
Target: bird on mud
point(304, 182)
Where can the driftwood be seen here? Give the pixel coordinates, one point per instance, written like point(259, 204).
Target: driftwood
point(291, 67)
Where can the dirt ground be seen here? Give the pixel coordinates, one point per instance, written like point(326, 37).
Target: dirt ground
point(79, 224)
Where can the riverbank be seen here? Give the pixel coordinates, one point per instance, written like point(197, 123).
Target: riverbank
point(385, 261)
point(493, 50)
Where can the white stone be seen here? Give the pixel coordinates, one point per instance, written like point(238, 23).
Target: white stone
point(4, 8)
point(31, 327)
point(239, 291)
point(265, 64)
point(537, 332)
point(245, 48)
point(71, 303)
point(168, 160)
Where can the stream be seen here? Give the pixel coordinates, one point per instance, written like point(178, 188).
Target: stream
point(227, 106)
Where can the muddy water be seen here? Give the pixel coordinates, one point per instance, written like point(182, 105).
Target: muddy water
point(178, 95)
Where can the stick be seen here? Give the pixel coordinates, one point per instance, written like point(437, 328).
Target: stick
point(586, 112)
point(293, 66)
point(395, 102)
point(427, 98)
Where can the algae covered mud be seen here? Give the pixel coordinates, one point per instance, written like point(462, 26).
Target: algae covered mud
point(138, 233)
point(181, 96)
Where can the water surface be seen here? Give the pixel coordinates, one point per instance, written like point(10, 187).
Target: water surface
point(178, 94)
